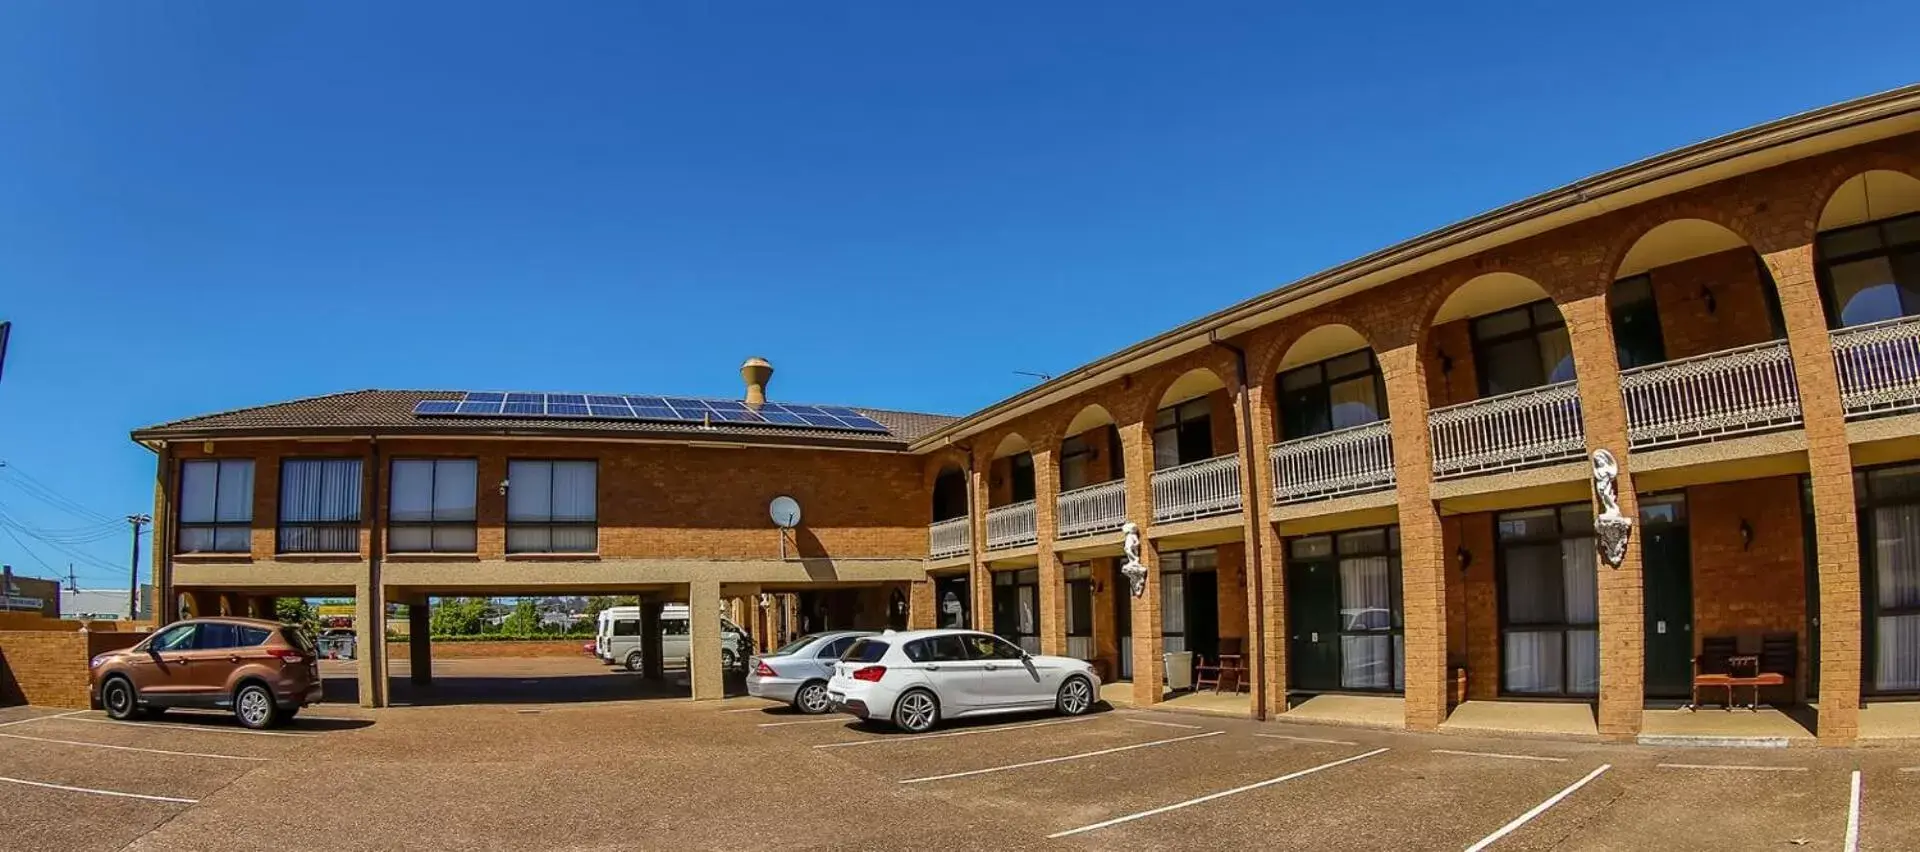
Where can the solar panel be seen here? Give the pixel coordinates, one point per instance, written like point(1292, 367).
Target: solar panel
point(671, 409)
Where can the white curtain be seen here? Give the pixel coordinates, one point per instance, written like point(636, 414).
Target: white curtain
point(1025, 596)
point(1173, 611)
point(1532, 661)
point(1366, 603)
point(1896, 557)
point(561, 492)
point(440, 492)
point(1579, 559)
point(215, 492)
point(319, 504)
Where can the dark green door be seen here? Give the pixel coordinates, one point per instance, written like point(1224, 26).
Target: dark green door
point(1313, 626)
point(1203, 614)
point(1666, 568)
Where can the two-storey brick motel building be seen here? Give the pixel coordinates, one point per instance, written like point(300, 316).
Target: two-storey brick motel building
point(1373, 480)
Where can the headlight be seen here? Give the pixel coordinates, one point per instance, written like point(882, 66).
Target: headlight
point(96, 662)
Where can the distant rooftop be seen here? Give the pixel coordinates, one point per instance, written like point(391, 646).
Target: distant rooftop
point(391, 413)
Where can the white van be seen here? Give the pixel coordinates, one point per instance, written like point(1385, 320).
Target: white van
point(616, 637)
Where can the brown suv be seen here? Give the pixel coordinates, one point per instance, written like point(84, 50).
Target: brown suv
point(262, 670)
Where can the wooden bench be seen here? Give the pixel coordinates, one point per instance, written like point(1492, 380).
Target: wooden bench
point(1720, 665)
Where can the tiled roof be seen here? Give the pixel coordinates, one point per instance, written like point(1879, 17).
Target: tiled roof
point(390, 412)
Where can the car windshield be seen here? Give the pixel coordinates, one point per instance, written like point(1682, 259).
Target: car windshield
point(865, 651)
point(795, 646)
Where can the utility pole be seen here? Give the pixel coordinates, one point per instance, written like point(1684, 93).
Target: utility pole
point(73, 583)
point(133, 577)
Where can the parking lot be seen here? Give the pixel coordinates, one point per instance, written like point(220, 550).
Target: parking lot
point(741, 774)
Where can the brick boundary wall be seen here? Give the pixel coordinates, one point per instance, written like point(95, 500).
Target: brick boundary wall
point(48, 668)
point(457, 650)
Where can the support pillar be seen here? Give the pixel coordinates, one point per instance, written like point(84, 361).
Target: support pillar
point(703, 640)
point(1149, 667)
point(1053, 577)
point(1423, 566)
point(1623, 654)
point(979, 580)
point(922, 609)
point(1835, 517)
point(420, 642)
point(1266, 608)
point(370, 643)
point(652, 646)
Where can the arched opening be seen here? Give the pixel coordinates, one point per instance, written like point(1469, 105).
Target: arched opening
point(1090, 453)
point(1328, 380)
point(1690, 287)
point(1010, 475)
point(949, 493)
point(1193, 421)
point(1868, 250)
point(1498, 333)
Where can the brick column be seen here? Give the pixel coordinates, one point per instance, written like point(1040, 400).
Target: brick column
point(1830, 465)
point(1149, 667)
point(703, 640)
point(1603, 415)
point(922, 609)
point(1424, 573)
point(1266, 661)
point(1053, 578)
point(162, 608)
point(979, 581)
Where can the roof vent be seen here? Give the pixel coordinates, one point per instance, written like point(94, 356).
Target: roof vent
point(756, 373)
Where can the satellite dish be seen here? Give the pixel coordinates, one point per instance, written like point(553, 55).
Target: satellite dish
point(785, 511)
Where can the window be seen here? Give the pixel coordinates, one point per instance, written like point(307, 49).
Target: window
point(1080, 611)
point(833, 650)
point(938, 649)
point(626, 627)
point(1521, 348)
point(1021, 468)
point(1075, 454)
point(174, 639)
point(1016, 607)
point(983, 647)
point(431, 506)
point(551, 507)
point(1889, 508)
point(216, 506)
point(1183, 433)
point(865, 651)
point(251, 636)
point(1365, 569)
point(673, 627)
point(216, 636)
point(1549, 601)
point(1636, 322)
point(320, 506)
point(1869, 273)
point(1334, 394)
point(1176, 605)
point(950, 495)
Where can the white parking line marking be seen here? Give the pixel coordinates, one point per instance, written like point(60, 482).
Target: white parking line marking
point(1538, 809)
point(200, 728)
point(1063, 759)
point(1499, 755)
point(1307, 739)
point(1733, 766)
point(1162, 724)
point(1210, 797)
point(842, 720)
point(969, 732)
point(42, 718)
point(129, 748)
point(99, 792)
point(1853, 815)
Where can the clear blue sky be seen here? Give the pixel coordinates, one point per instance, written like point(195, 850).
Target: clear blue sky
point(205, 206)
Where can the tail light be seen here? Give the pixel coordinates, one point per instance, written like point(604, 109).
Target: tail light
point(870, 674)
point(764, 670)
point(286, 655)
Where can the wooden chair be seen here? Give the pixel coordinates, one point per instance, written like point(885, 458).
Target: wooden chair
point(1713, 667)
point(1229, 667)
point(1721, 666)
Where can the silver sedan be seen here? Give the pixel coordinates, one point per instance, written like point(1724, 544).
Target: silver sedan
point(797, 672)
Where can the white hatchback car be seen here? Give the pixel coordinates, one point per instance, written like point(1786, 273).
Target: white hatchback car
point(917, 678)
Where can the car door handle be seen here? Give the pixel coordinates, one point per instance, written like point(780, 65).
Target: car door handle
point(992, 668)
point(233, 658)
point(180, 661)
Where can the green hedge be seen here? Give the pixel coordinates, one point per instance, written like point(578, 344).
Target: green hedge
point(499, 637)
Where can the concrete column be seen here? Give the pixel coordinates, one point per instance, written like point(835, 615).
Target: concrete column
point(1835, 517)
point(652, 646)
point(370, 643)
point(979, 581)
point(703, 641)
point(1266, 658)
point(1423, 566)
point(1603, 413)
point(1149, 667)
point(420, 642)
point(1053, 578)
point(922, 609)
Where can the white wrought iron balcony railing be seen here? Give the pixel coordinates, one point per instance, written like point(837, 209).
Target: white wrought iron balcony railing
point(1740, 390)
point(1879, 366)
point(1011, 526)
point(1197, 489)
point(949, 538)
point(1507, 432)
point(1344, 461)
point(1093, 509)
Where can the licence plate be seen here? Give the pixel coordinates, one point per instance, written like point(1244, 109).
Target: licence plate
point(837, 696)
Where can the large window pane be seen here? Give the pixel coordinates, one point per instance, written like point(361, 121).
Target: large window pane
point(320, 506)
point(1864, 291)
point(216, 506)
point(1533, 662)
point(552, 506)
point(431, 506)
point(1511, 366)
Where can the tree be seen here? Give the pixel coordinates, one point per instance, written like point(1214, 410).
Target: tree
point(524, 620)
point(459, 616)
point(297, 611)
point(596, 605)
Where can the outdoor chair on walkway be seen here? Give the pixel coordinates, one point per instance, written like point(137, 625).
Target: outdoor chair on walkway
point(1720, 665)
point(1229, 667)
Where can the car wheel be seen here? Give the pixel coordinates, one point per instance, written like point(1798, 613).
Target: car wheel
point(1075, 698)
point(916, 712)
point(253, 706)
point(812, 699)
point(118, 698)
point(635, 661)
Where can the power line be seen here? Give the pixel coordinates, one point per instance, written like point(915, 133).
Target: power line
point(23, 546)
point(28, 483)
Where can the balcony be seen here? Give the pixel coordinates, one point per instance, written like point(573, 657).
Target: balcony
point(1330, 464)
point(1197, 489)
point(1879, 367)
point(1511, 431)
point(1746, 389)
point(1093, 509)
point(1011, 526)
point(949, 538)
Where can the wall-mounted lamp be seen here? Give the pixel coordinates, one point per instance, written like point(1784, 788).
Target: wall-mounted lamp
point(1465, 556)
point(1706, 295)
point(503, 488)
point(1746, 535)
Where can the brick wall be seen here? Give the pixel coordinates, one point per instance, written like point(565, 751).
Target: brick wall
point(43, 668)
point(1450, 379)
point(1231, 574)
point(1747, 590)
point(1479, 620)
point(1738, 314)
